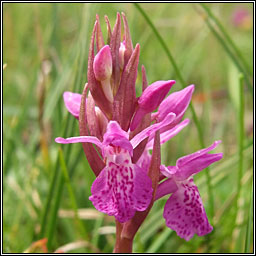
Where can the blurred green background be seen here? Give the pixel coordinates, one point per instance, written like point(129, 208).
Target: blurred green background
point(45, 51)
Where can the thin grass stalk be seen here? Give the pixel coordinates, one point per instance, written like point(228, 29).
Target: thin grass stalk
point(54, 212)
point(240, 139)
point(49, 199)
point(159, 241)
point(183, 83)
point(71, 195)
point(240, 135)
point(249, 225)
point(52, 186)
point(228, 51)
point(228, 38)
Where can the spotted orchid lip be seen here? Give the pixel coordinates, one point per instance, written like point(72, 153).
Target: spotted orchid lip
point(122, 188)
point(184, 211)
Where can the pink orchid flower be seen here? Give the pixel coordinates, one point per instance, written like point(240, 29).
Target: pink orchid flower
point(184, 211)
point(122, 188)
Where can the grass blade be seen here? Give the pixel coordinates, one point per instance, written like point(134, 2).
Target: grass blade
point(240, 139)
point(249, 226)
point(155, 246)
point(228, 51)
point(56, 205)
point(49, 198)
point(71, 195)
point(228, 38)
point(240, 134)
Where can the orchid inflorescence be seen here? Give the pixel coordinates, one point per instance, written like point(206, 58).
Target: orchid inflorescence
point(124, 129)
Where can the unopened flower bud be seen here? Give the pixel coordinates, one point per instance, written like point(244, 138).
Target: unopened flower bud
point(102, 67)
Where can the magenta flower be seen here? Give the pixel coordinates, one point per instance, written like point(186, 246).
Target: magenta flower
point(242, 18)
point(117, 132)
point(122, 188)
point(184, 211)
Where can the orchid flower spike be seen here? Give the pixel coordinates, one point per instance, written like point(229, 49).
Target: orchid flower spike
point(118, 132)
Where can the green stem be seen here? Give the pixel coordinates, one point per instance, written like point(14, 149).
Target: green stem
point(183, 83)
point(241, 137)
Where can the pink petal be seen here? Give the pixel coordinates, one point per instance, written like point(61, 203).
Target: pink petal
point(115, 129)
point(140, 113)
point(185, 159)
point(150, 99)
point(72, 102)
point(166, 187)
point(168, 171)
point(121, 190)
point(184, 212)
point(144, 160)
point(102, 64)
point(167, 135)
point(196, 165)
point(154, 94)
point(78, 139)
point(150, 131)
point(177, 103)
point(117, 137)
point(142, 188)
point(94, 85)
point(102, 197)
